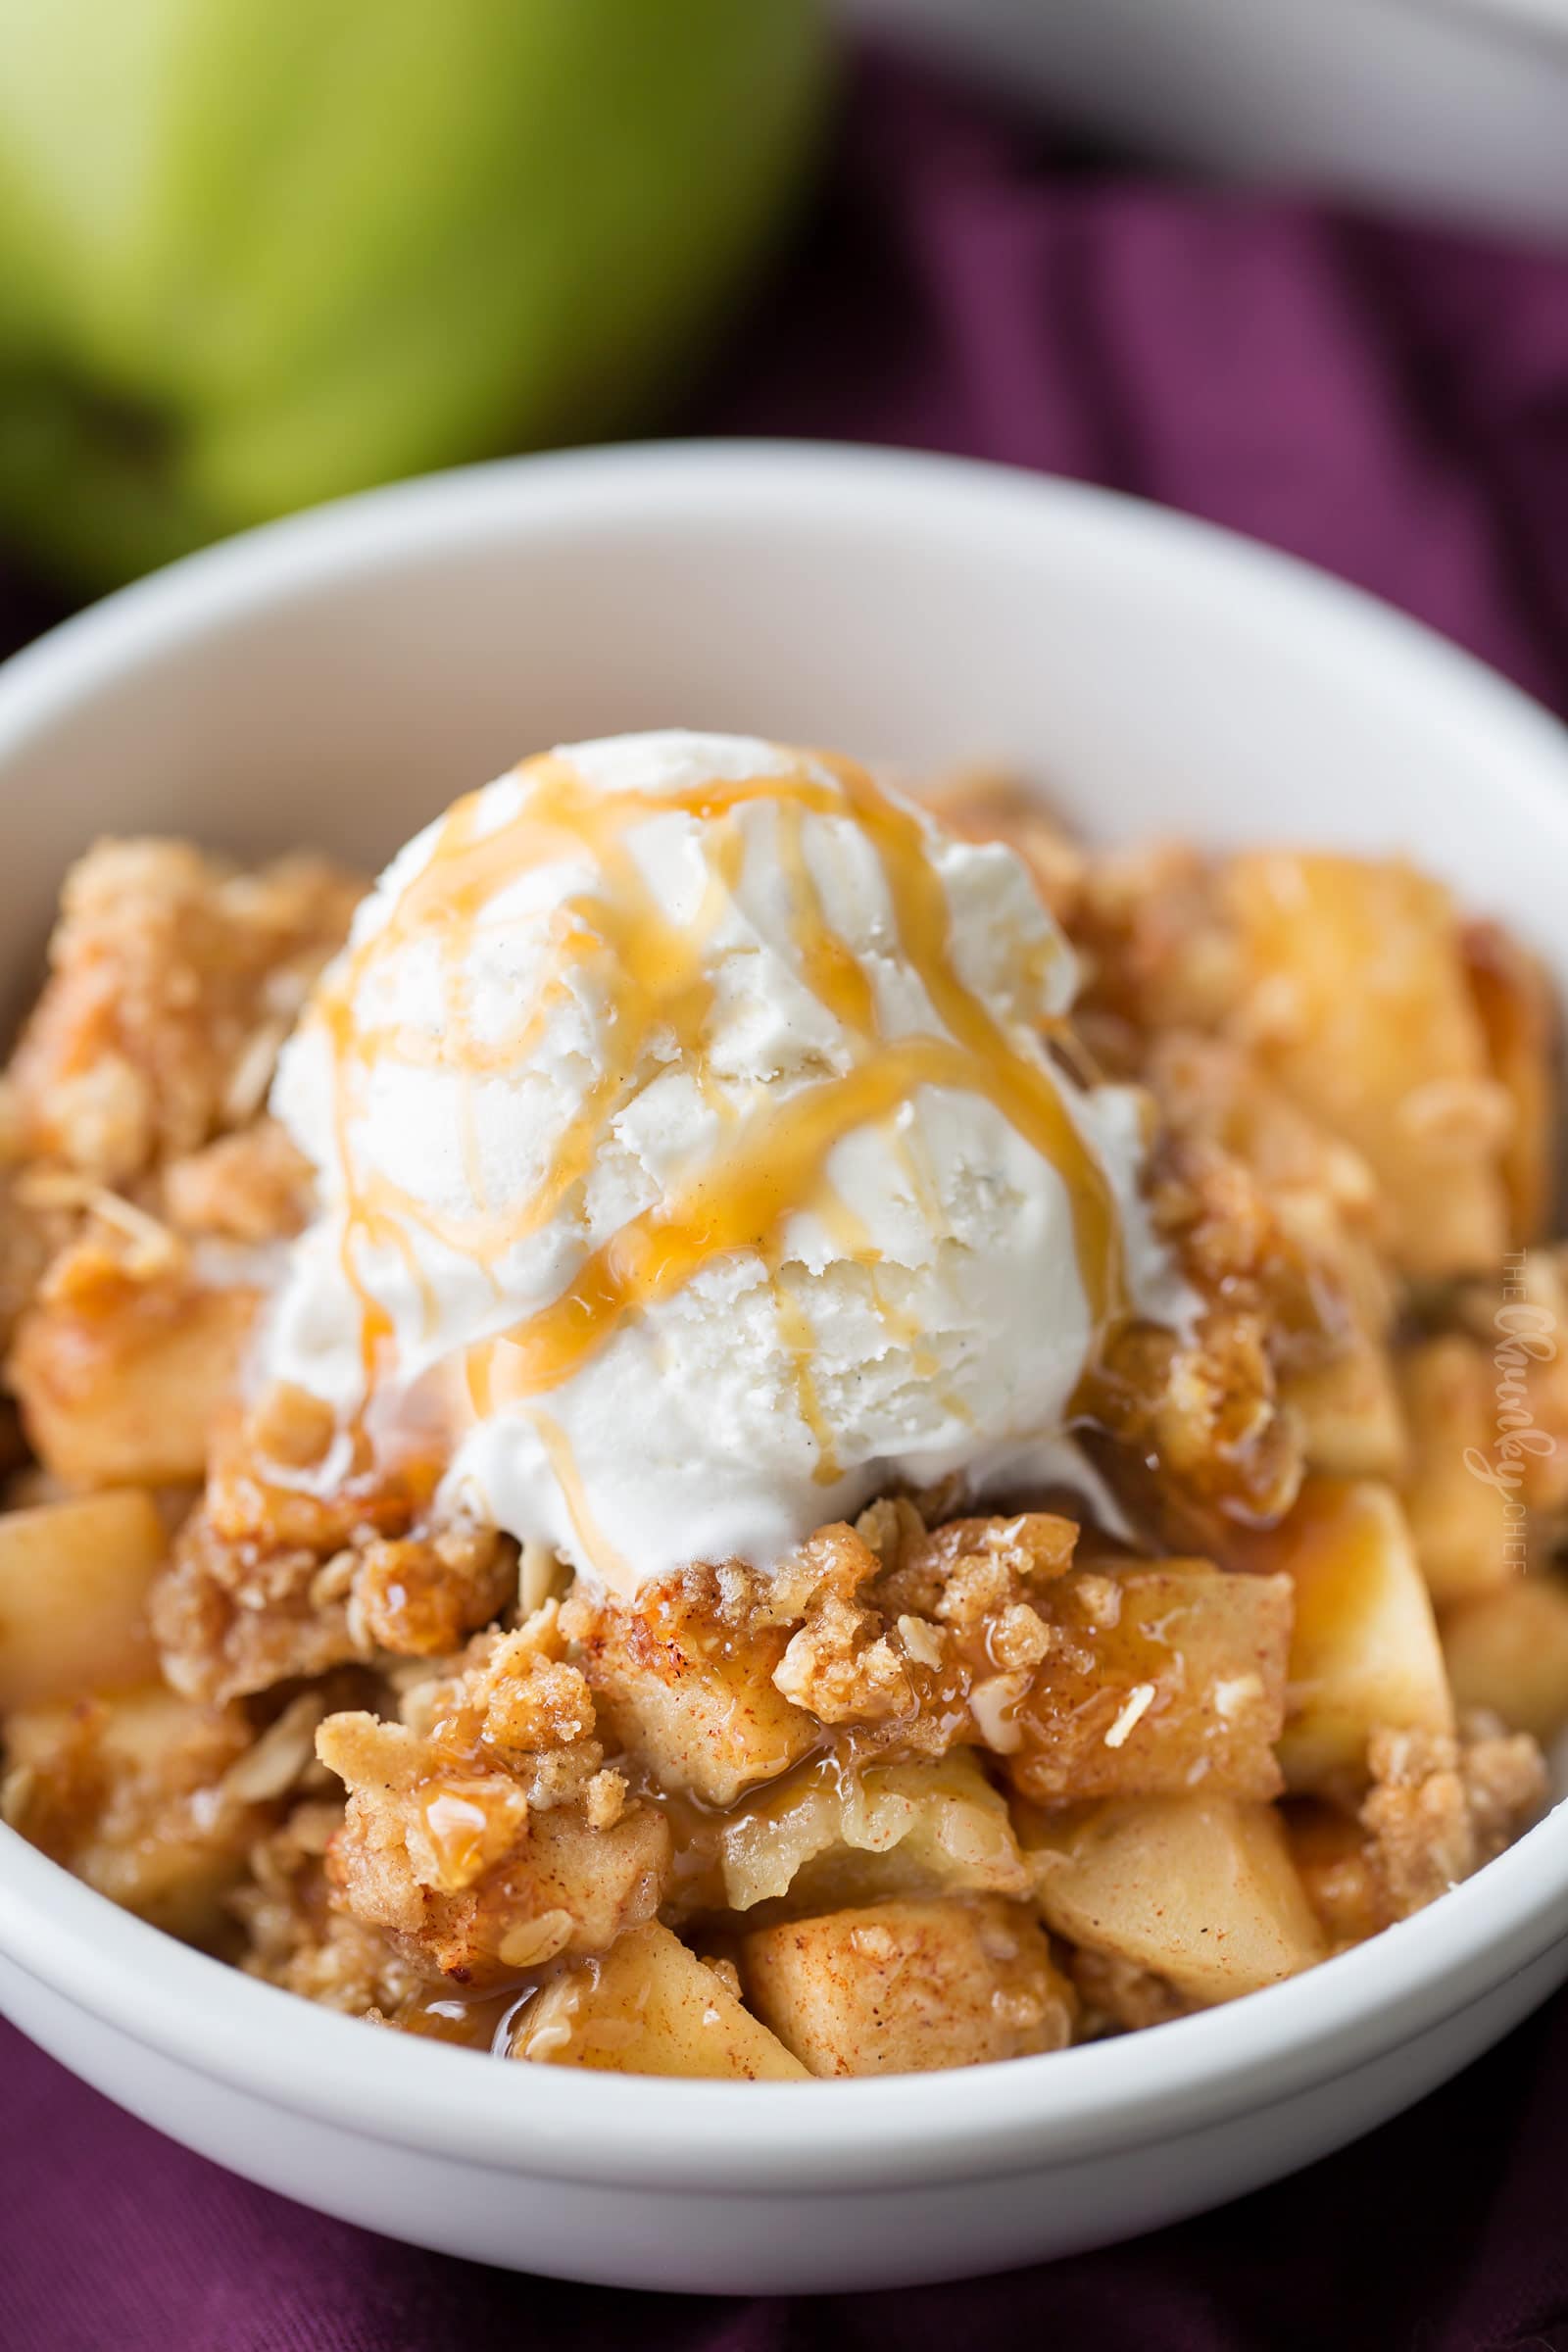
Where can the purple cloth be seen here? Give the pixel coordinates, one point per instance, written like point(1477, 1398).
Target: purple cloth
point(1389, 403)
point(1393, 404)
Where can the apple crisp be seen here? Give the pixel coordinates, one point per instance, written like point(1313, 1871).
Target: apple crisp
point(937, 1788)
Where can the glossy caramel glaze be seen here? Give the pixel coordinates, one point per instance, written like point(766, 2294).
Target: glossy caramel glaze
point(766, 1165)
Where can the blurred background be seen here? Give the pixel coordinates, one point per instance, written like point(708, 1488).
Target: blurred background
point(1303, 269)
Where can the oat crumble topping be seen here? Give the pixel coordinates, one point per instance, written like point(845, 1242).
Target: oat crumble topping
point(936, 1788)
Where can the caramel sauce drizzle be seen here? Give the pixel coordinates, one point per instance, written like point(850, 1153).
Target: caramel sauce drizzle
point(770, 1160)
point(596, 1545)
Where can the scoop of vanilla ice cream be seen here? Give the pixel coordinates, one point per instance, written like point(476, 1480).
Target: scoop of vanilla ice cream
point(677, 1112)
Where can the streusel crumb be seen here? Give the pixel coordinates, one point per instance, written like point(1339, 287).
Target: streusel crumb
point(173, 979)
point(491, 1840)
point(1439, 1807)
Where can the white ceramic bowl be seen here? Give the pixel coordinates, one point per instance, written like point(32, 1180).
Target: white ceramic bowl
point(336, 679)
point(1452, 106)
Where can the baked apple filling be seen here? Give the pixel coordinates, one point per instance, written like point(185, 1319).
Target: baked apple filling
point(729, 1429)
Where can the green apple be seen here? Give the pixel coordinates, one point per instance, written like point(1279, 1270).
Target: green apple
point(255, 253)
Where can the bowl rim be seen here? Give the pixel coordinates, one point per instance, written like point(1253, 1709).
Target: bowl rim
point(871, 2132)
point(1540, 21)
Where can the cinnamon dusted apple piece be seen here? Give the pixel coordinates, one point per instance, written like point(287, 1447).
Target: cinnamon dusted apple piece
point(1507, 1652)
point(684, 1675)
point(1364, 1650)
point(651, 2008)
point(74, 1578)
point(1199, 1892)
point(122, 1363)
point(1153, 1681)
point(486, 1835)
point(906, 1988)
point(1360, 1008)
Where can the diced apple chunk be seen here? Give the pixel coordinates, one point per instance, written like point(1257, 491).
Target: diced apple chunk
point(1157, 1679)
point(73, 1581)
point(125, 1390)
point(1199, 1890)
point(1349, 1411)
point(1464, 1541)
point(651, 2008)
point(1508, 1652)
point(837, 1837)
point(906, 1988)
point(1364, 1651)
point(1371, 1026)
point(693, 1704)
point(148, 1797)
